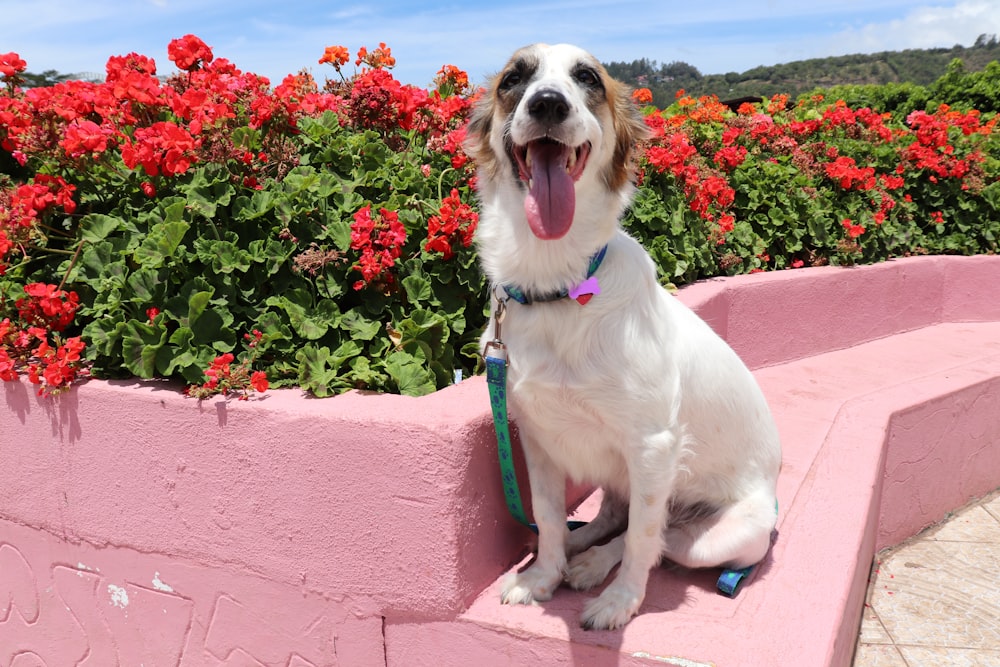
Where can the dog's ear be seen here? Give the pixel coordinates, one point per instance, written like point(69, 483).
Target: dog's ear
point(630, 129)
point(477, 133)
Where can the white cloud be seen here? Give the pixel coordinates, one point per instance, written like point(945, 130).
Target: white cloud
point(924, 27)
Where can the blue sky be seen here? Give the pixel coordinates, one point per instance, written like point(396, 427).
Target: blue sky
point(277, 38)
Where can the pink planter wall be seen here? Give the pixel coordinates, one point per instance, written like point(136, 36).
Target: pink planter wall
point(138, 526)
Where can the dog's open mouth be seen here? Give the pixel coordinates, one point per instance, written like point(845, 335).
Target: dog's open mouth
point(550, 169)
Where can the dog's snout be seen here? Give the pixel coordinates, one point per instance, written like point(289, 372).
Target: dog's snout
point(548, 106)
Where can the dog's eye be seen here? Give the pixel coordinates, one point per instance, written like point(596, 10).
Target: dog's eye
point(587, 77)
point(510, 79)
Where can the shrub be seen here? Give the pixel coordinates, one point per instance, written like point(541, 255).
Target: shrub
point(774, 186)
point(150, 228)
point(333, 220)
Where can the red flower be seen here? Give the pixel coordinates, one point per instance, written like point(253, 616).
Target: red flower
point(456, 222)
point(11, 64)
point(189, 52)
point(258, 380)
point(854, 231)
point(379, 239)
point(163, 147)
point(642, 96)
point(336, 56)
point(845, 171)
point(47, 306)
point(83, 137)
point(452, 79)
point(730, 157)
point(379, 58)
point(8, 371)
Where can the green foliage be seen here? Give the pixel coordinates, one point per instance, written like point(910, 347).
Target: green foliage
point(270, 216)
point(773, 187)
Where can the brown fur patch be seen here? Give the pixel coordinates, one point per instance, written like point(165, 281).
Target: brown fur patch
point(629, 128)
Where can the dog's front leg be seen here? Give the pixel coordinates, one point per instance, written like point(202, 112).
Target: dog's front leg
point(548, 500)
point(652, 468)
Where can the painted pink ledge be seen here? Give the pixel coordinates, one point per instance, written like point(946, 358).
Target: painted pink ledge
point(141, 527)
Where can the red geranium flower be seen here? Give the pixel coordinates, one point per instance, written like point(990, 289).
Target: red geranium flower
point(336, 56)
point(11, 64)
point(189, 52)
point(853, 230)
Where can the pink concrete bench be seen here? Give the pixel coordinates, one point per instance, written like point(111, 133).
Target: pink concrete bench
point(137, 526)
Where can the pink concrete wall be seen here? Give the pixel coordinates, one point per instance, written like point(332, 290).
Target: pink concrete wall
point(138, 526)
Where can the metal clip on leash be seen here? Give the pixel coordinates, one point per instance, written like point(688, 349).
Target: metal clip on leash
point(495, 348)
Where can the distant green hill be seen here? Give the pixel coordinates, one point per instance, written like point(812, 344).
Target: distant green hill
point(912, 66)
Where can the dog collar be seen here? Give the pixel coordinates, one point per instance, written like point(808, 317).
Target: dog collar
point(582, 292)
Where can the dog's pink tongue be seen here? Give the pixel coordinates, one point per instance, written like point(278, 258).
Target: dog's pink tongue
point(551, 200)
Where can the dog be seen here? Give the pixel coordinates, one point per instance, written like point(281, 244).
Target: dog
point(611, 380)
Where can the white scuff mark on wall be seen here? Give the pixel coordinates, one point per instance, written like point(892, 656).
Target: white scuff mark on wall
point(119, 596)
point(677, 662)
point(81, 568)
point(159, 585)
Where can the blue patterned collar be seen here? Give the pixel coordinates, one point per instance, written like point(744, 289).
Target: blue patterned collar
point(582, 292)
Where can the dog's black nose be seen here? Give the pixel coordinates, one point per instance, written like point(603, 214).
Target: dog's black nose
point(548, 106)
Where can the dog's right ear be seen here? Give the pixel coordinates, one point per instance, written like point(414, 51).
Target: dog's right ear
point(477, 131)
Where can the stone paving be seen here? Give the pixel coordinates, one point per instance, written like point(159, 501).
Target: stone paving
point(935, 599)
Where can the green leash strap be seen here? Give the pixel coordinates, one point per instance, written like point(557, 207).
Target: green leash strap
point(496, 379)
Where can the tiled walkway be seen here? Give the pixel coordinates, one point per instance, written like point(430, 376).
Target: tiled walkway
point(935, 600)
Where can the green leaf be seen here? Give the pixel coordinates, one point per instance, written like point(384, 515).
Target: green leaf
point(310, 322)
point(140, 344)
point(315, 375)
point(95, 227)
point(197, 303)
point(359, 326)
point(104, 334)
point(204, 196)
point(161, 243)
point(409, 374)
point(417, 288)
point(145, 286)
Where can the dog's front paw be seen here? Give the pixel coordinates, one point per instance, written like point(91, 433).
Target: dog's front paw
point(611, 609)
point(528, 587)
point(591, 568)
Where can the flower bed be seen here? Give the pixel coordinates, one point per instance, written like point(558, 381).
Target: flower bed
point(149, 228)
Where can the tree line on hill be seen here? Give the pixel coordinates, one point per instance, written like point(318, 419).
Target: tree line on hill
point(904, 72)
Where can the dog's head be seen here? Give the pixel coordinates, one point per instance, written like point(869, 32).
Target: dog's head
point(555, 127)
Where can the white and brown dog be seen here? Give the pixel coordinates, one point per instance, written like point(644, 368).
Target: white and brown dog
point(612, 380)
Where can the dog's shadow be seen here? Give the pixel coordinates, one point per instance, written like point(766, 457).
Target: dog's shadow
point(672, 589)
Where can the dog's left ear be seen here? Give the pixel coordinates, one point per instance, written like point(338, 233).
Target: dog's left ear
point(630, 129)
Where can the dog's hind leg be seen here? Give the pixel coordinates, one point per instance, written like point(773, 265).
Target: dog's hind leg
point(610, 519)
point(593, 566)
point(736, 536)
